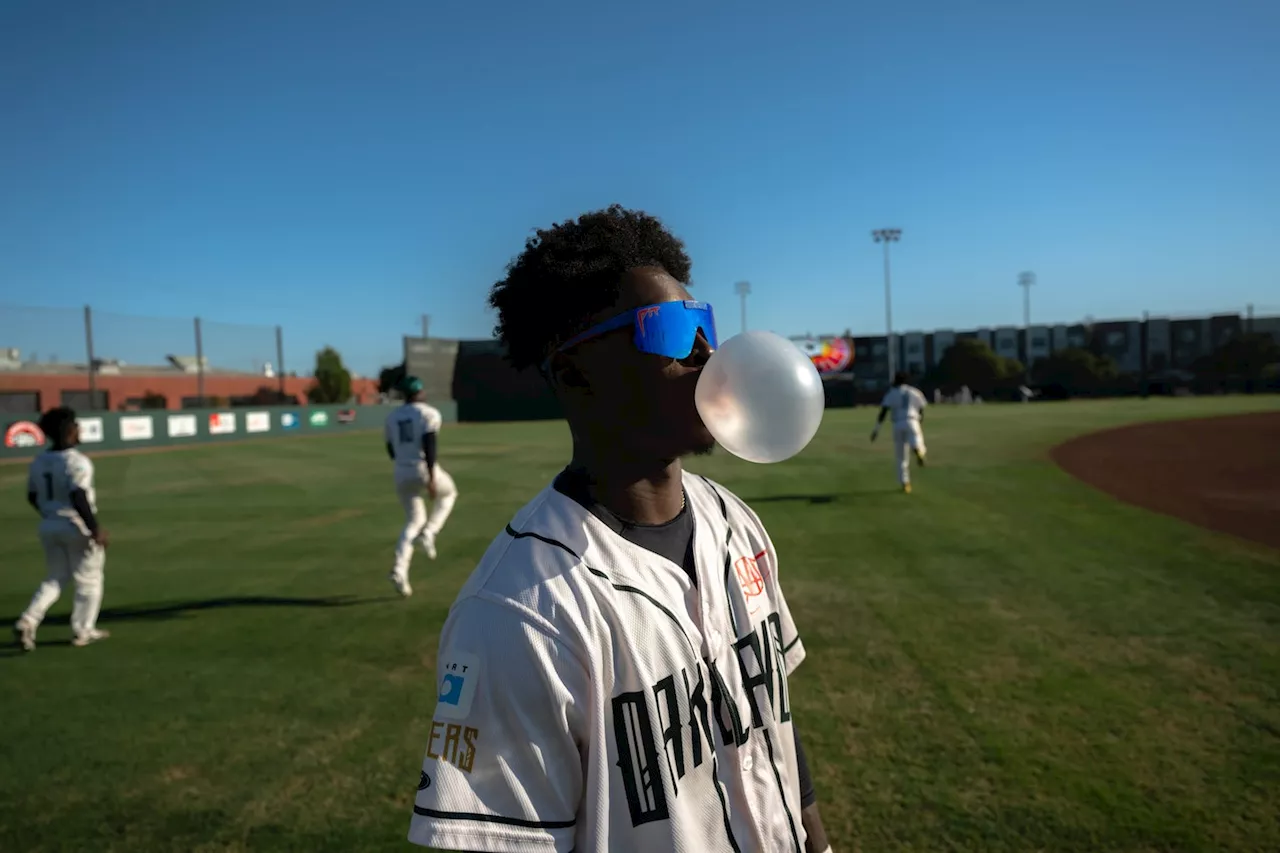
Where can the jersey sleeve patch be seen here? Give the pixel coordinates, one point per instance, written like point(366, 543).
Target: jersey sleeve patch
point(459, 675)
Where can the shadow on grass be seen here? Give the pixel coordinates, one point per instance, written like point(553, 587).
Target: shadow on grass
point(813, 499)
point(175, 609)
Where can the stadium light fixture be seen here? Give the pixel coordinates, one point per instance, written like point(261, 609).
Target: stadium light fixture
point(887, 236)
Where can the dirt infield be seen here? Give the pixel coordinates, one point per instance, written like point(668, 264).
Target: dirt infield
point(1221, 473)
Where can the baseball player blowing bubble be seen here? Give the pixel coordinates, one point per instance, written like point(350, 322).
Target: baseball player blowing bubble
point(614, 674)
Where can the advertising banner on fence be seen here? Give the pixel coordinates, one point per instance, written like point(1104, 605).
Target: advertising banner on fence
point(346, 416)
point(319, 419)
point(182, 426)
point(222, 423)
point(257, 422)
point(137, 428)
point(289, 420)
point(829, 355)
point(23, 434)
point(90, 430)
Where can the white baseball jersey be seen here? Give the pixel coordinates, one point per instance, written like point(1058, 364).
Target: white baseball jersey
point(905, 403)
point(53, 476)
point(592, 698)
point(406, 427)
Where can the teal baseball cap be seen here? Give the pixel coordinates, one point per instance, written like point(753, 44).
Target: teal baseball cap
point(411, 385)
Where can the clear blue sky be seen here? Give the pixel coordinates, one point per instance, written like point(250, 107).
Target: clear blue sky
point(343, 167)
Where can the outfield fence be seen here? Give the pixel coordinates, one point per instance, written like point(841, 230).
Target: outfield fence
point(22, 437)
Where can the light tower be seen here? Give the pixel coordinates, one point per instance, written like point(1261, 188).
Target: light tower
point(743, 289)
point(887, 236)
point(1026, 281)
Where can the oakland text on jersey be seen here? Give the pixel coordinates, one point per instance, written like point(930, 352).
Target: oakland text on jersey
point(686, 705)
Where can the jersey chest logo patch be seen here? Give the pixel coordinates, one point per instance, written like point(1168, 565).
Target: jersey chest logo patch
point(751, 579)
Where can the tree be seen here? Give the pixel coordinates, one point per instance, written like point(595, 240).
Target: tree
point(1074, 371)
point(1245, 356)
point(972, 362)
point(154, 400)
point(1247, 360)
point(389, 378)
point(332, 380)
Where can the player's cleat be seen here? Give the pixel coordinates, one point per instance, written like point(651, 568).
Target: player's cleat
point(25, 635)
point(906, 488)
point(920, 458)
point(91, 636)
point(429, 544)
point(401, 585)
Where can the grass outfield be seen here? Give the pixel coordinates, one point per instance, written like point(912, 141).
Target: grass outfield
point(1005, 660)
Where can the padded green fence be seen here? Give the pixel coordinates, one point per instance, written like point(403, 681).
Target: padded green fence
point(164, 428)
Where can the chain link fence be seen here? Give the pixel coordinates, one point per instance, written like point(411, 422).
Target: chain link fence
point(103, 360)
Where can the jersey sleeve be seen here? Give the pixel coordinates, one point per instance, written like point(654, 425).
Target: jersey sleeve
point(80, 473)
point(792, 646)
point(887, 401)
point(502, 770)
point(433, 420)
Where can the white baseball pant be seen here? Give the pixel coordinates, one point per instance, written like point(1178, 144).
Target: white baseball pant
point(70, 555)
point(906, 437)
point(411, 484)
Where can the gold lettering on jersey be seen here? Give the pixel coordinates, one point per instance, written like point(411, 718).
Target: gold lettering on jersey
point(457, 744)
point(650, 732)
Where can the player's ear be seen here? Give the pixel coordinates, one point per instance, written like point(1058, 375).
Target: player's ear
point(563, 373)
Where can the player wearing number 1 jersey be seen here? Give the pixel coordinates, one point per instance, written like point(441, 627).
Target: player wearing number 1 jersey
point(60, 488)
point(614, 675)
point(411, 443)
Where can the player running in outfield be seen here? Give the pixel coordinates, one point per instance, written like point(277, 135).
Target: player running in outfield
point(614, 674)
point(411, 443)
point(907, 405)
point(60, 488)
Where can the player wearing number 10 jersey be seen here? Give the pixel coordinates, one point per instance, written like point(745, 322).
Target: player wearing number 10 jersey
point(411, 443)
point(60, 488)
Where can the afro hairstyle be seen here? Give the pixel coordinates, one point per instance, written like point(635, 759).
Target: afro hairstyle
point(56, 424)
point(570, 271)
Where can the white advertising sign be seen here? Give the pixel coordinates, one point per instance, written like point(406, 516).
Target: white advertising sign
point(90, 430)
point(182, 426)
point(257, 422)
point(138, 428)
point(222, 423)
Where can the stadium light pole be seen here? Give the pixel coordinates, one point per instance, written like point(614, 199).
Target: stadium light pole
point(743, 289)
point(887, 236)
point(1026, 281)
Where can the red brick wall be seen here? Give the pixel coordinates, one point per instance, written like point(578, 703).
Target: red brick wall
point(119, 388)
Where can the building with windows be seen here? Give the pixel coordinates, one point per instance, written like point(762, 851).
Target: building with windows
point(1151, 345)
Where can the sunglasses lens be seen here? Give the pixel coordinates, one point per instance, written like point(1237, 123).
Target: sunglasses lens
point(671, 328)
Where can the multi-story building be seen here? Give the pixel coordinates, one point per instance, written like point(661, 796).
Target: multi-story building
point(1150, 346)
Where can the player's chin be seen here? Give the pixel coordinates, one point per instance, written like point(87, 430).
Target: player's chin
point(701, 441)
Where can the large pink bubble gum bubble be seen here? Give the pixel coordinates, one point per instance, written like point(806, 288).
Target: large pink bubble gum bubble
point(761, 397)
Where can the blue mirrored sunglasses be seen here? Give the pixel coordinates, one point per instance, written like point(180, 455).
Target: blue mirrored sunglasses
point(667, 328)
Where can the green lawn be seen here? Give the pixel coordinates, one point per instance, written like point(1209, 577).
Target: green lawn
point(1005, 660)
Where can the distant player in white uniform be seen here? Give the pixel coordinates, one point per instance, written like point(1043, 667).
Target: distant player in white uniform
point(411, 443)
point(614, 675)
point(907, 405)
point(60, 488)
